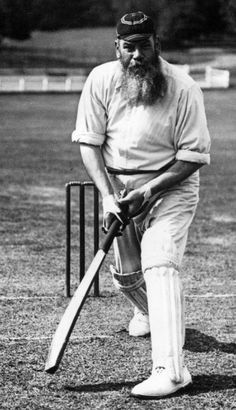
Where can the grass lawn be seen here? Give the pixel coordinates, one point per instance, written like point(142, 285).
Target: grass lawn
point(102, 362)
point(70, 50)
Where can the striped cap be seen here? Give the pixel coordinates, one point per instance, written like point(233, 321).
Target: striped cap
point(135, 26)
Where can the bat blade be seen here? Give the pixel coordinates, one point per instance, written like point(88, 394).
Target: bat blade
point(68, 320)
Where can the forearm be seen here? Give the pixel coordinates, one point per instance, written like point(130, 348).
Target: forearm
point(95, 167)
point(177, 173)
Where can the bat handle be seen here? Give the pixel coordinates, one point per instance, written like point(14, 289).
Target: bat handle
point(114, 228)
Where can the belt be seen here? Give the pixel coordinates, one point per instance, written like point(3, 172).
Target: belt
point(114, 171)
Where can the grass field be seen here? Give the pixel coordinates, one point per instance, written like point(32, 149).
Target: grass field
point(102, 362)
point(68, 51)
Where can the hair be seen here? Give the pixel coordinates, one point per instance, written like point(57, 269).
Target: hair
point(144, 83)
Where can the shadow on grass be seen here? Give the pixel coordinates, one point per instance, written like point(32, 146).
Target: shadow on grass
point(101, 387)
point(201, 384)
point(200, 342)
point(211, 382)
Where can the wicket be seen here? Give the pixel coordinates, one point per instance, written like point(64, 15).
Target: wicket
point(82, 188)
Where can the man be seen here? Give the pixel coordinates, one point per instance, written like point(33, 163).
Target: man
point(143, 136)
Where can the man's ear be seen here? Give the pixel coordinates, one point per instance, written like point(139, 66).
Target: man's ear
point(157, 44)
point(117, 47)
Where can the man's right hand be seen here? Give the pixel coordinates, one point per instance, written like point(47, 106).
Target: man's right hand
point(111, 209)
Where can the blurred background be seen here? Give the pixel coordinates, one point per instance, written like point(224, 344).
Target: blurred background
point(67, 36)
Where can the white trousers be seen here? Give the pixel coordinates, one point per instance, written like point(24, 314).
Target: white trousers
point(154, 244)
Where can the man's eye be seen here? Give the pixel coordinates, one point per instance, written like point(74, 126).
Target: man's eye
point(128, 47)
point(146, 45)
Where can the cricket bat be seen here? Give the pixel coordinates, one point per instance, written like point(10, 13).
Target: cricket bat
point(69, 318)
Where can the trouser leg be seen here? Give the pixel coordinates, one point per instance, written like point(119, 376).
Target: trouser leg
point(162, 249)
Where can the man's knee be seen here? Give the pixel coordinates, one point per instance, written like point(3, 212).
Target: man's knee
point(158, 248)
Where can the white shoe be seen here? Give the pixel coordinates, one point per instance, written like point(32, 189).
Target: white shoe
point(160, 385)
point(139, 324)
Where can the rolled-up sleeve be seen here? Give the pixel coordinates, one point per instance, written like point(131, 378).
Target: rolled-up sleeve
point(191, 132)
point(91, 117)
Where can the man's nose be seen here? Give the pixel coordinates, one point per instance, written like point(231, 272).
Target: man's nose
point(137, 55)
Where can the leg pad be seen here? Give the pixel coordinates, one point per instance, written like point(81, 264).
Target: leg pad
point(133, 286)
point(166, 318)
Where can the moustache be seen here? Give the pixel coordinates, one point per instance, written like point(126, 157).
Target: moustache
point(138, 68)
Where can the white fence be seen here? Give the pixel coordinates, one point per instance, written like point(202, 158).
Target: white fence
point(211, 78)
point(36, 83)
point(216, 78)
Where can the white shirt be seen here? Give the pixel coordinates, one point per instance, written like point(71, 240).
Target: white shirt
point(143, 137)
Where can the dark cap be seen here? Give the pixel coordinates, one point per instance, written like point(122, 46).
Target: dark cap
point(135, 26)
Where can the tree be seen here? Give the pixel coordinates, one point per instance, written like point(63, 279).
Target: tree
point(228, 12)
point(150, 7)
point(100, 13)
point(57, 14)
point(212, 21)
point(16, 16)
point(178, 21)
point(2, 19)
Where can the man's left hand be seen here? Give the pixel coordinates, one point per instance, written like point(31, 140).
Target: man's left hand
point(134, 200)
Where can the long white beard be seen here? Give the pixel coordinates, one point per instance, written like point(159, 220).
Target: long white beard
point(143, 84)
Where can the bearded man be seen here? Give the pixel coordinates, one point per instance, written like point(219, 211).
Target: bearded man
point(142, 131)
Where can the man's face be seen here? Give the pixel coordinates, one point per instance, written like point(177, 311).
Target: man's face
point(136, 53)
point(142, 80)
